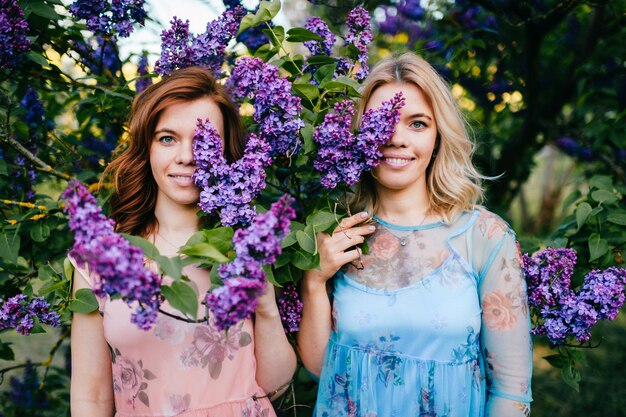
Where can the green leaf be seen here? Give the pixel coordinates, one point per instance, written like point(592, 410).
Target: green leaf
point(582, 214)
point(307, 135)
point(603, 196)
point(325, 73)
point(290, 239)
point(68, 268)
point(597, 246)
point(37, 58)
point(321, 60)
point(269, 276)
point(181, 297)
point(204, 250)
point(9, 247)
point(6, 353)
point(267, 11)
point(276, 35)
point(84, 302)
point(283, 259)
point(282, 275)
point(338, 86)
point(307, 240)
point(570, 199)
point(146, 247)
point(37, 328)
point(558, 360)
point(617, 217)
point(172, 267)
point(304, 260)
point(3, 168)
point(601, 182)
point(322, 220)
point(40, 231)
point(571, 376)
point(308, 91)
point(220, 237)
point(43, 10)
point(301, 35)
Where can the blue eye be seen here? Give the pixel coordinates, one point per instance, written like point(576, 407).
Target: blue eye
point(166, 140)
point(417, 124)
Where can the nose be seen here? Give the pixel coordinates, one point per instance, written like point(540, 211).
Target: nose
point(185, 155)
point(398, 138)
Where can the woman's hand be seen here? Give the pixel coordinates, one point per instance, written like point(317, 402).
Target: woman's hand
point(267, 302)
point(334, 249)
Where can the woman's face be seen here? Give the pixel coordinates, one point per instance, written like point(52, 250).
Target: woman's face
point(409, 152)
point(171, 151)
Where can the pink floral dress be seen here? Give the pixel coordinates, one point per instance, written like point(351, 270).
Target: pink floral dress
point(181, 369)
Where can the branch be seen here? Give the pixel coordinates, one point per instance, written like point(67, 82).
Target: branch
point(31, 157)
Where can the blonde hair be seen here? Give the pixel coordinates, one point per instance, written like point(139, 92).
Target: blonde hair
point(454, 184)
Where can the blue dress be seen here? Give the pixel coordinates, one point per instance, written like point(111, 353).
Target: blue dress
point(435, 323)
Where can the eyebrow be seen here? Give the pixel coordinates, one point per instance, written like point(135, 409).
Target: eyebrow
point(418, 115)
point(165, 130)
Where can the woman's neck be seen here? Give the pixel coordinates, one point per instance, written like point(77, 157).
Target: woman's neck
point(407, 207)
point(176, 224)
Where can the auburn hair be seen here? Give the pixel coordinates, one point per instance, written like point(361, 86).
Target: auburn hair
point(135, 190)
point(454, 184)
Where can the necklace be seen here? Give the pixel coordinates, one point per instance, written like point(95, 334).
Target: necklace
point(403, 239)
point(167, 241)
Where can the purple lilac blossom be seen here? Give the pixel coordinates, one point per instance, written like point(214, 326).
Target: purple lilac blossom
point(13, 29)
point(142, 70)
point(360, 35)
point(108, 18)
point(180, 49)
point(276, 108)
point(117, 265)
point(103, 60)
point(342, 155)
point(25, 393)
point(290, 308)
point(228, 188)
point(244, 280)
point(19, 314)
point(320, 28)
point(548, 275)
point(605, 291)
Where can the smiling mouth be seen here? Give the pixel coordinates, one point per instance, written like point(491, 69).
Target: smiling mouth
point(182, 179)
point(397, 161)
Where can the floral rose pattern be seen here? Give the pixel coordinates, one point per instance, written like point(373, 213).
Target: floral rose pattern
point(178, 403)
point(210, 347)
point(130, 379)
point(171, 330)
point(385, 245)
point(499, 313)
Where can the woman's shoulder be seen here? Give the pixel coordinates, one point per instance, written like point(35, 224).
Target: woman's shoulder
point(489, 225)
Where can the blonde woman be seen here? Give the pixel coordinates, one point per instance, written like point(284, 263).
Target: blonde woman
point(433, 320)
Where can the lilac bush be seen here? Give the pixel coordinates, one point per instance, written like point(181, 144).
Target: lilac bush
point(561, 312)
point(13, 29)
point(276, 109)
point(108, 18)
point(359, 35)
point(244, 281)
point(180, 49)
point(142, 70)
point(118, 267)
point(228, 188)
point(290, 308)
point(342, 155)
point(18, 313)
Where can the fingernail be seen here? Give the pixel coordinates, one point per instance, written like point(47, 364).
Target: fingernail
point(364, 215)
point(372, 228)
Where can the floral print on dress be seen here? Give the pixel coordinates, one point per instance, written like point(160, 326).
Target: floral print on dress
point(210, 347)
point(385, 245)
point(178, 404)
point(171, 330)
point(254, 408)
point(130, 379)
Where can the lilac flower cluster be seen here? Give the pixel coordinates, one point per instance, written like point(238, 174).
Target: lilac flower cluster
point(142, 70)
point(320, 28)
point(572, 147)
point(560, 311)
point(228, 188)
point(103, 59)
point(548, 275)
point(109, 18)
point(290, 308)
point(100, 147)
point(25, 393)
point(342, 156)
point(19, 314)
point(13, 29)
point(276, 108)
point(180, 49)
point(244, 280)
point(253, 37)
point(118, 266)
point(360, 35)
